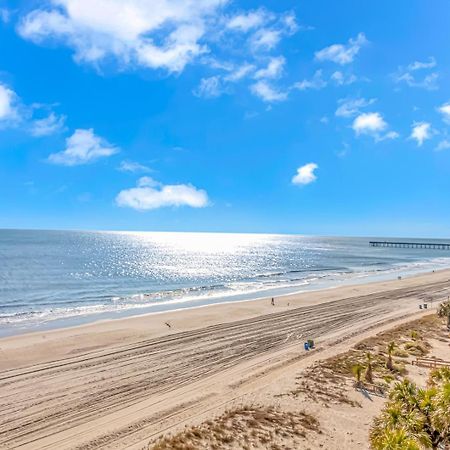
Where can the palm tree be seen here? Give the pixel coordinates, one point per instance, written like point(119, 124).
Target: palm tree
point(405, 392)
point(394, 440)
point(357, 370)
point(415, 418)
point(440, 414)
point(444, 311)
point(369, 370)
point(441, 375)
point(390, 349)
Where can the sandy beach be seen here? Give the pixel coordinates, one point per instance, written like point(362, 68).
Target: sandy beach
point(121, 383)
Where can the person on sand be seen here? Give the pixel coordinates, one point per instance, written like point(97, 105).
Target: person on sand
point(273, 302)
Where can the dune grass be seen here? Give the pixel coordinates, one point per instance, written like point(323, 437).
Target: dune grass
point(246, 427)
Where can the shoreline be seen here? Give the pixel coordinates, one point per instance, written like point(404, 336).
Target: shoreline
point(116, 384)
point(154, 324)
point(168, 306)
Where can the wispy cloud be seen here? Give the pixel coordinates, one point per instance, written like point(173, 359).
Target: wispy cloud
point(240, 72)
point(27, 118)
point(409, 76)
point(316, 82)
point(351, 107)
point(342, 79)
point(247, 21)
point(443, 145)
point(305, 174)
point(342, 53)
point(150, 194)
point(133, 167)
point(209, 87)
point(268, 93)
point(268, 36)
point(265, 39)
point(419, 65)
point(344, 151)
point(273, 70)
point(429, 82)
point(48, 125)
point(83, 147)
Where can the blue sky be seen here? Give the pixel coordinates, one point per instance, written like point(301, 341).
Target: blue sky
point(315, 117)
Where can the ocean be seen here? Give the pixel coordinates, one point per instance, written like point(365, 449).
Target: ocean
point(50, 279)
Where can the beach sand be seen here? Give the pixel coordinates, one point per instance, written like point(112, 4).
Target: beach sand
point(120, 383)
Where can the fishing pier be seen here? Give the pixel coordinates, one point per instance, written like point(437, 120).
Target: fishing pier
point(428, 245)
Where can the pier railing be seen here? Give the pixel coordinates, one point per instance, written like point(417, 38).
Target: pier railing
point(429, 245)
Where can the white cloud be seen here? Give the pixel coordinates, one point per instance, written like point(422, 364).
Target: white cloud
point(148, 182)
point(167, 35)
point(217, 85)
point(408, 75)
point(209, 87)
point(247, 21)
point(150, 194)
point(443, 145)
point(421, 131)
point(267, 93)
point(352, 107)
point(340, 53)
point(268, 35)
point(316, 82)
point(238, 73)
point(133, 167)
point(289, 20)
point(9, 112)
point(369, 123)
point(14, 113)
point(155, 34)
point(374, 125)
point(265, 39)
point(49, 125)
point(83, 147)
point(445, 111)
point(342, 79)
point(429, 82)
point(388, 135)
point(419, 65)
point(305, 174)
point(273, 70)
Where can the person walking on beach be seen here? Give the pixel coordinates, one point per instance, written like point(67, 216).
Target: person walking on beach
point(273, 302)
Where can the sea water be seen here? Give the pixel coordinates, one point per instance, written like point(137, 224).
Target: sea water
point(55, 278)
